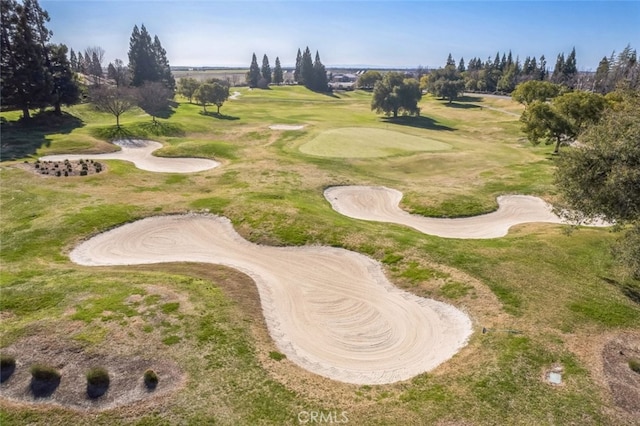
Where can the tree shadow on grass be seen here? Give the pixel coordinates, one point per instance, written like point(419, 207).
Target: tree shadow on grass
point(461, 106)
point(112, 133)
point(467, 98)
point(630, 291)
point(419, 122)
point(219, 116)
point(23, 138)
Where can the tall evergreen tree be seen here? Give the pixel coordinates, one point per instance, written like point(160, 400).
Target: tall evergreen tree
point(73, 60)
point(266, 70)
point(319, 82)
point(162, 65)
point(253, 76)
point(558, 70)
point(602, 76)
point(306, 68)
point(297, 72)
point(461, 67)
point(26, 78)
point(65, 85)
point(543, 68)
point(278, 75)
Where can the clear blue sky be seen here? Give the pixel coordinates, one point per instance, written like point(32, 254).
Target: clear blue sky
point(358, 32)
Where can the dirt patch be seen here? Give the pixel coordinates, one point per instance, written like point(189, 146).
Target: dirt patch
point(624, 383)
point(286, 127)
point(64, 168)
point(72, 362)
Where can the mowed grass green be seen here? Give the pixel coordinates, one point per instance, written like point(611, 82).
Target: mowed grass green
point(367, 142)
point(556, 290)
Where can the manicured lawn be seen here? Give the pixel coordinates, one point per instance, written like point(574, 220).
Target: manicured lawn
point(556, 290)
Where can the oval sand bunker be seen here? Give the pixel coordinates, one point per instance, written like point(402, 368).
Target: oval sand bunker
point(330, 310)
point(381, 204)
point(366, 142)
point(139, 152)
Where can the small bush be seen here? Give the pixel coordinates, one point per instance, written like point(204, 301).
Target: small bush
point(7, 367)
point(277, 355)
point(44, 380)
point(97, 382)
point(150, 379)
point(634, 364)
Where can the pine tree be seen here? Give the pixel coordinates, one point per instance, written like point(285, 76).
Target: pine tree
point(543, 68)
point(319, 82)
point(278, 75)
point(141, 57)
point(602, 76)
point(558, 71)
point(450, 61)
point(266, 70)
point(26, 78)
point(73, 60)
point(162, 65)
point(461, 67)
point(253, 76)
point(297, 72)
point(65, 86)
point(306, 68)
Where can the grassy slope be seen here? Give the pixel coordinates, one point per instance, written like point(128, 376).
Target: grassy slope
point(554, 288)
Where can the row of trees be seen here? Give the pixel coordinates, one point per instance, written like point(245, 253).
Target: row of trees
point(310, 73)
point(211, 92)
point(262, 77)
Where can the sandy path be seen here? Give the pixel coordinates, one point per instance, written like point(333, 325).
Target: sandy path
point(380, 204)
point(286, 127)
point(139, 152)
point(331, 311)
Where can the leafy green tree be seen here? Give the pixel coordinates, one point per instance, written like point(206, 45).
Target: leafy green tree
point(253, 76)
point(446, 82)
point(530, 91)
point(66, 89)
point(368, 79)
point(113, 100)
point(278, 75)
point(25, 80)
point(154, 97)
point(187, 86)
point(580, 108)
point(266, 70)
point(602, 177)
point(395, 93)
point(541, 122)
point(220, 95)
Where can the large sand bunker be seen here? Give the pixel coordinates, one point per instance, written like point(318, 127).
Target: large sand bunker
point(330, 310)
point(380, 204)
point(139, 152)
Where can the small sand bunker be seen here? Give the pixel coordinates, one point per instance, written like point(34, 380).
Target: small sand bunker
point(286, 127)
point(139, 152)
point(380, 204)
point(234, 96)
point(329, 310)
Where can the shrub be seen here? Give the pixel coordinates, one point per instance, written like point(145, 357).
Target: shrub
point(97, 382)
point(277, 355)
point(44, 380)
point(150, 379)
point(7, 367)
point(634, 364)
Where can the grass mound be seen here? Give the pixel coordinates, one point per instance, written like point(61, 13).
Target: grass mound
point(367, 142)
point(97, 382)
point(44, 380)
point(7, 367)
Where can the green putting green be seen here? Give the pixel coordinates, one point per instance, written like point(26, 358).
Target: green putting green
point(366, 142)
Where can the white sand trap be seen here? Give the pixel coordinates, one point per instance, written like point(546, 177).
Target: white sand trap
point(330, 310)
point(380, 204)
point(286, 127)
point(139, 152)
point(234, 96)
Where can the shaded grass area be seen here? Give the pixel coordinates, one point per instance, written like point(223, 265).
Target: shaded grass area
point(549, 285)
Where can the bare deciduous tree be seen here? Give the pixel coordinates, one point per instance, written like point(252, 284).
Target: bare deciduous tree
point(114, 100)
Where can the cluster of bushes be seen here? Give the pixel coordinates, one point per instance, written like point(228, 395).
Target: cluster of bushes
point(45, 379)
point(67, 168)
